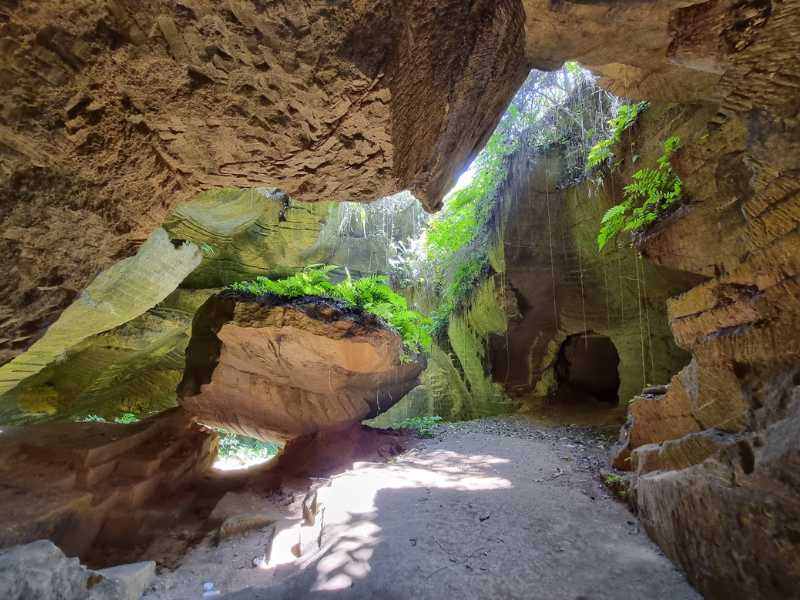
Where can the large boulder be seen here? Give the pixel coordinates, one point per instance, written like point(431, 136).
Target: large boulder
point(89, 363)
point(40, 571)
point(278, 370)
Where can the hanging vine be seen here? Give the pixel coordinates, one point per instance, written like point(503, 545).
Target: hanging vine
point(564, 109)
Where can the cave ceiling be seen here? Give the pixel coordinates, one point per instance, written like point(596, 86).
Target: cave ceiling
point(112, 112)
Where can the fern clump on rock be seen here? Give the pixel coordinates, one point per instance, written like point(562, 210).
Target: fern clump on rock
point(657, 190)
point(369, 294)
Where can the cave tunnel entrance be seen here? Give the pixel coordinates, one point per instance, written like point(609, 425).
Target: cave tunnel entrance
point(238, 451)
point(587, 368)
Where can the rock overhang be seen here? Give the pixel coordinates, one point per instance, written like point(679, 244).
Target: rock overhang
point(278, 370)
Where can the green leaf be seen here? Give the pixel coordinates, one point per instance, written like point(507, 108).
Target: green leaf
point(613, 212)
point(370, 294)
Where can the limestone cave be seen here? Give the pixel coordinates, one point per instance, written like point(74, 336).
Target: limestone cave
point(402, 299)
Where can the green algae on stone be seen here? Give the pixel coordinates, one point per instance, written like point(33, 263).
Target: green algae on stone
point(134, 367)
point(119, 294)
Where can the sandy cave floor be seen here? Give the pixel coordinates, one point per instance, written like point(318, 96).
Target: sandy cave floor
point(495, 508)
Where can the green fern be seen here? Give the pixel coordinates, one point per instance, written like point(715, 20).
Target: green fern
point(312, 281)
point(655, 190)
point(626, 116)
point(600, 152)
point(369, 294)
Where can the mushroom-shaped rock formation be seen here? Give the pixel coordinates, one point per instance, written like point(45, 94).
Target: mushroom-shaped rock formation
point(276, 370)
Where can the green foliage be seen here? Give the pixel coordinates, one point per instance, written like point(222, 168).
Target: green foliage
point(613, 479)
point(563, 109)
point(93, 419)
point(125, 419)
point(423, 425)
point(599, 153)
point(456, 241)
point(312, 281)
point(440, 319)
point(613, 222)
point(369, 294)
point(242, 448)
point(626, 116)
point(652, 192)
point(407, 262)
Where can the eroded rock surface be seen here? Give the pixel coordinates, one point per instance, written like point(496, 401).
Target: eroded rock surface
point(232, 235)
point(121, 293)
point(114, 113)
point(715, 454)
point(564, 286)
point(40, 571)
point(80, 484)
point(279, 371)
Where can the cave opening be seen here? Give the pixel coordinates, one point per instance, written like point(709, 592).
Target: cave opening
point(238, 451)
point(587, 369)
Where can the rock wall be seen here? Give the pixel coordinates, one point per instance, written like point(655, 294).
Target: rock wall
point(72, 483)
point(134, 368)
point(551, 282)
point(124, 291)
point(457, 384)
point(262, 232)
point(742, 330)
point(714, 455)
point(563, 285)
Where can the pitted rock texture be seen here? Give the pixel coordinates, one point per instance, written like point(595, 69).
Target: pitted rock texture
point(277, 371)
point(726, 507)
point(112, 113)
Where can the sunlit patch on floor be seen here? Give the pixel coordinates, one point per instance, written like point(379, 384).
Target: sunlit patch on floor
point(350, 508)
